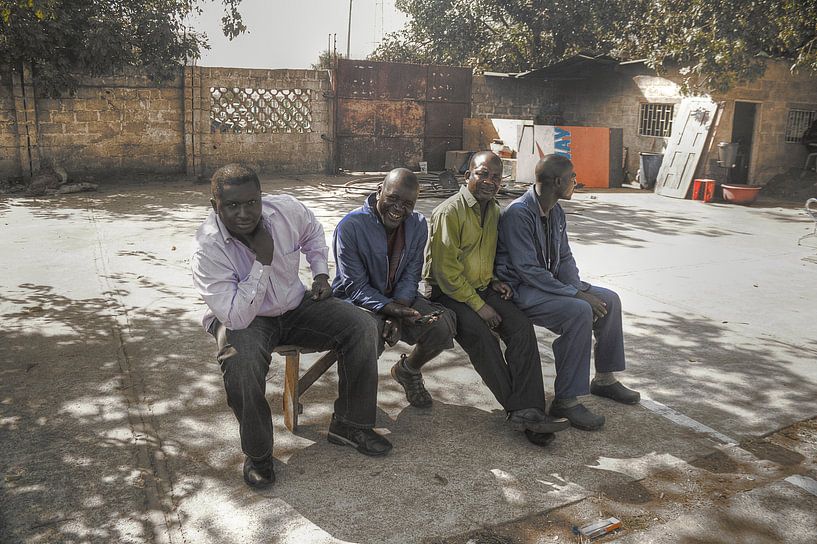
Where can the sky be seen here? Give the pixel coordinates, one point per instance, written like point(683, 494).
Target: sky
point(291, 34)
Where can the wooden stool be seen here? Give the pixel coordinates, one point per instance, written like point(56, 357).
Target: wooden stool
point(294, 386)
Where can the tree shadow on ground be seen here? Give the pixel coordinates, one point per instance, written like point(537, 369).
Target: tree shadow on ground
point(114, 425)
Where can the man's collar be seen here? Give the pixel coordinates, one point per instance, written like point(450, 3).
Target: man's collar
point(538, 203)
point(222, 229)
point(470, 200)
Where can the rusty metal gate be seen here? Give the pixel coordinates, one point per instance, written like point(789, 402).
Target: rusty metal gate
point(391, 115)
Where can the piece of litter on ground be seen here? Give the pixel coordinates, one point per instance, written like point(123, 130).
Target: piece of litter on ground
point(598, 528)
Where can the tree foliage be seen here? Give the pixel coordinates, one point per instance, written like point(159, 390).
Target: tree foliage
point(60, 39)
point(715, 43)
point(718, 43)
point(504, 35)
point(326, 60)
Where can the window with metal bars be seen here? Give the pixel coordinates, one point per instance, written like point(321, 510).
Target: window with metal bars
point(656, 120)
point(797, 124)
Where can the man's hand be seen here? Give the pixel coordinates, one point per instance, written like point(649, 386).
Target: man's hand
point(391, 331)
point(599, 306)
point(489, 315)
point(395, 309)
point(504, 290)
point(320, 287)
point(261, 244)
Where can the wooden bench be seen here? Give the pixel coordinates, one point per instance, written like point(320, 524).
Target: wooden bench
point(296, 385)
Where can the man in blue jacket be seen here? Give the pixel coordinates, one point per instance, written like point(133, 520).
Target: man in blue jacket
point(534, 258)
point(379, 255)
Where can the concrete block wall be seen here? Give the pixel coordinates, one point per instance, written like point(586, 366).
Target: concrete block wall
point(777, 92)
point(114, 126)
point(9, 159)
point(268, 153)
point(509, 98)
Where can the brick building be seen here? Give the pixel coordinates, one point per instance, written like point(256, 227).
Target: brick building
point(767, 116)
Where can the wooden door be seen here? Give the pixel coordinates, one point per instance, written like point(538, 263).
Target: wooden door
point(689, 133)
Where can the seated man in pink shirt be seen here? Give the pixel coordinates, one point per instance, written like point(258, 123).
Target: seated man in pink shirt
point(245, 264)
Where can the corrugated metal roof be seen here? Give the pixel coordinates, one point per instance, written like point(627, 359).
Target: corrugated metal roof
point(578, 66)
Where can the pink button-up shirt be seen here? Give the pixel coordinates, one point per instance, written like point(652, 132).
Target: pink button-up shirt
point(235, 286)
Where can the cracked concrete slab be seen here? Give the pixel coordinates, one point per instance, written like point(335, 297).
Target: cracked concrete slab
point(114, 428)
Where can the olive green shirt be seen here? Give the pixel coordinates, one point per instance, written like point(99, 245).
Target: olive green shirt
point(460, 251)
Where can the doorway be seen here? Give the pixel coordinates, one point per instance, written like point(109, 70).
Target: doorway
point(743, 128)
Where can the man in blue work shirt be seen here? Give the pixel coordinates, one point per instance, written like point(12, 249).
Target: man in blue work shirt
point(534, 258)
point(379, 255)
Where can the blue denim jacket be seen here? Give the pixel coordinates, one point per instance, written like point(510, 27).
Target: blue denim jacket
point(361, 257)
point(521, 259)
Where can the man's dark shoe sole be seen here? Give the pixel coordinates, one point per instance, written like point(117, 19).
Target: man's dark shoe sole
point(343, 441)
point(617, 392)
point(540, 439)
point(543, 427)
point(587, 425)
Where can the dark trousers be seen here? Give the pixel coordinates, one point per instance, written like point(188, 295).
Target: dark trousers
point(515, 379)
point(245, 356)
point(572, 320)
point(435, 336)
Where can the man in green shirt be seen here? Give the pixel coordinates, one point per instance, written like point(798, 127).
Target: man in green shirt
point(459, 271)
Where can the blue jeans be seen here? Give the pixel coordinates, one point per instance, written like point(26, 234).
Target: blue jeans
point(572, 319)
point(245, 354)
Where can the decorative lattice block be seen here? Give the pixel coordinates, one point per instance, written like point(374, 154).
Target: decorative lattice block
point(258, 111)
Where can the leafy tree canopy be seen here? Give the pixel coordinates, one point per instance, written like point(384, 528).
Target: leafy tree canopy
point(326, 60)
point(715, 43)
point(718, 43)
point(62, 38)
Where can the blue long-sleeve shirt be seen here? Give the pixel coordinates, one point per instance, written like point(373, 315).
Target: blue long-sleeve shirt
point(526, 259)
point(362, 258)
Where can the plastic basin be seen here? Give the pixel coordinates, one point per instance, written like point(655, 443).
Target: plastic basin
point(740, 194)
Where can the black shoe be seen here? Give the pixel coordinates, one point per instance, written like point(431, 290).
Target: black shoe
point(540, 439)
point(616, 391)
point(259, 473)
point(579, 416)
point(536, 420)
point(413, 384)
point(366, 441)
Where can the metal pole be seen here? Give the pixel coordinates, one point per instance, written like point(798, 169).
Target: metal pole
point(349, 32)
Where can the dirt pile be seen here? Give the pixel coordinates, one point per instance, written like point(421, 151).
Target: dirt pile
point(796, 184)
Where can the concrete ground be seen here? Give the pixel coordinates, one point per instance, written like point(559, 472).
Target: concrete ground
point(114, 426)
